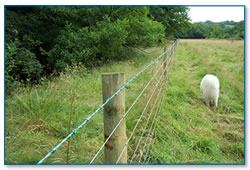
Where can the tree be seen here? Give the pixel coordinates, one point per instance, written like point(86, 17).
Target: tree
point(239, 30)
point(216, 31)
point(175, 19)
point(105, 38)
point(219, 30)
point(41, 40)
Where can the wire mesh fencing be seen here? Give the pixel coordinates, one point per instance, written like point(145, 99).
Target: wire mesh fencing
point(145, 113)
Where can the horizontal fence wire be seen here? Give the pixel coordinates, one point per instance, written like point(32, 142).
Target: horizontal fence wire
point(152, 141)
point(123, 117)
point(137, 146)
point(146, 158)
point(102, 106)
point(153, 123)
point(154, 133)
point(125, 145)
point(146, 140)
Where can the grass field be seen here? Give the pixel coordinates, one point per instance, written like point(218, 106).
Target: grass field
point(190, 132)
point(37, 118)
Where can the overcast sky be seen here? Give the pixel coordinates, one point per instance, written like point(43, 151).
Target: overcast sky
point(216, 14)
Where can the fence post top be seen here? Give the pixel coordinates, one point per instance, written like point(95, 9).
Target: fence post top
point(113, 73)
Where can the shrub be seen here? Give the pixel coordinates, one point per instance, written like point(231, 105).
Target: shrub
point(20, 64)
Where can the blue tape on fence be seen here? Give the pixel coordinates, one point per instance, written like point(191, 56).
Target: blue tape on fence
point(102, 106)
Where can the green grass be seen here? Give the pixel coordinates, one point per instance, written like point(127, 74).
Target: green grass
point(37, 118)
point(188, 131)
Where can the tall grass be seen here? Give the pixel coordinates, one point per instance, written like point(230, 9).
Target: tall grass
point(37, 118)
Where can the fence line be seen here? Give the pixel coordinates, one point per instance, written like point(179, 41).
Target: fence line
point(152, 141)
point(146, 125)
point(152, 122)
point(102, 106)
point(154, 133)
point(132, 105)
point(148, 138)
point(151, 128)
point(140, 117)
point(167, 67)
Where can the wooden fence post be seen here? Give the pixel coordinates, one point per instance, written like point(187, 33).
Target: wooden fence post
point(165, 62)
point(113, 112)
point(174, 50)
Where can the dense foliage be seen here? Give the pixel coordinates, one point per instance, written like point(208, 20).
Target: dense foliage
point(44, 40)
point(174, 19)
point(209, 29)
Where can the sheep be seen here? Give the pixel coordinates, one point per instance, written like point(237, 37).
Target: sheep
point(210, 90)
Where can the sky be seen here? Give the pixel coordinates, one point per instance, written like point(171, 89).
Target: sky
point(216, 14)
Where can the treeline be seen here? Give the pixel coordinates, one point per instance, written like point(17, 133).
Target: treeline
point(44, 40)
point(214, 30)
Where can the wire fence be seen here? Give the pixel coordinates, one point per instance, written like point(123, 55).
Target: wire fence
point(153, 115)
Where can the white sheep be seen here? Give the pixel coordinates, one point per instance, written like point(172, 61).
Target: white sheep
point(210, 89)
